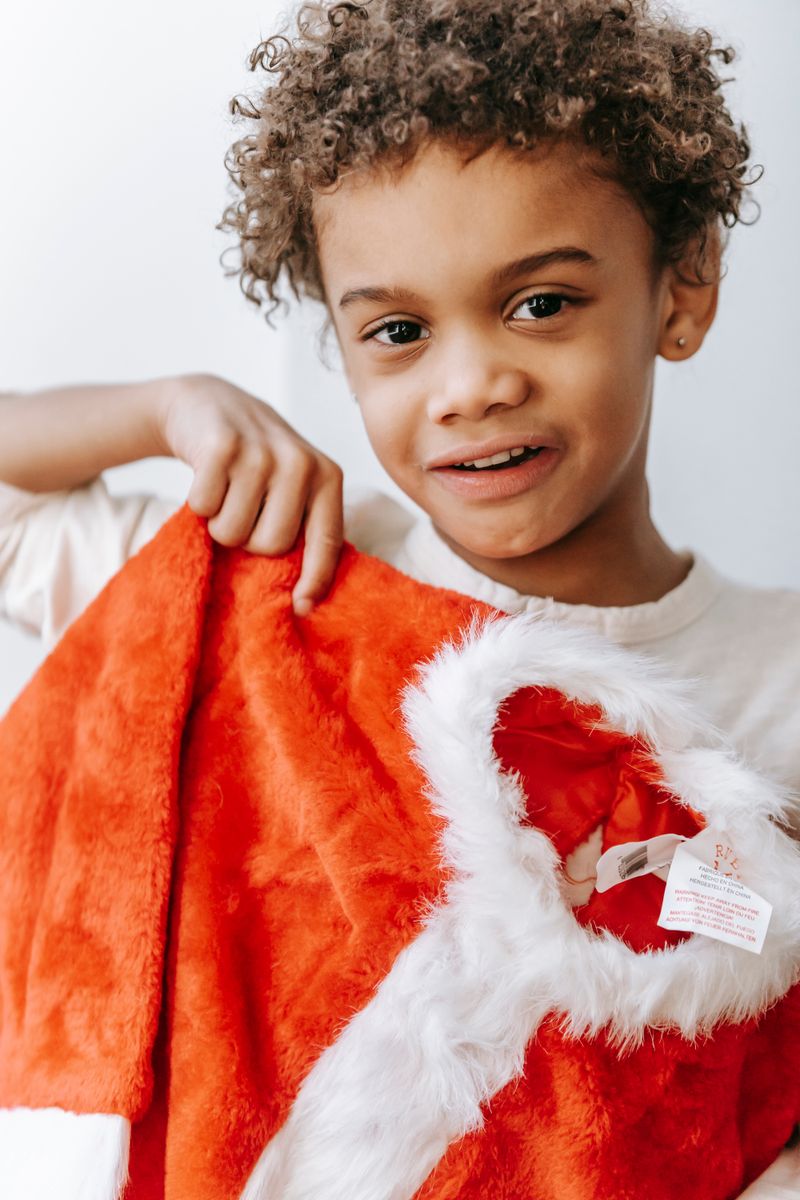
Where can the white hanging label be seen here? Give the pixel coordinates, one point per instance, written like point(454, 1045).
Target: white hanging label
point(631, 859)
point(700, 899)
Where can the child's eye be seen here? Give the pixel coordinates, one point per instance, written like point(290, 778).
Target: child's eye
point(541, 305)
point(399, 333)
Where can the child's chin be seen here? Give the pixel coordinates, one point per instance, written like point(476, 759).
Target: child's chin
point(485, 545)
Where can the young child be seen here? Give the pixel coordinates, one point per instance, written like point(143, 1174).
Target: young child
point(509, 211)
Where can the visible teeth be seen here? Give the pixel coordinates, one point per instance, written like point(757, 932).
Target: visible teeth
point(495, 460)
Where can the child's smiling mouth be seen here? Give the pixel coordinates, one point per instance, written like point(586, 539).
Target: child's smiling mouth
point(495, 473)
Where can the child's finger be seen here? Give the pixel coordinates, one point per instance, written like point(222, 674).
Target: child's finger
point(323, 543)
point(234, 522)
point(209, 485)
point(285, 505)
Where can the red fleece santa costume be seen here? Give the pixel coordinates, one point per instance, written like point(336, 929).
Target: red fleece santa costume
point(283, 913)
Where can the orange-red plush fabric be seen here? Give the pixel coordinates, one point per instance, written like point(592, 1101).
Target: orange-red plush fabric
point(88, 819)
point(214, 843)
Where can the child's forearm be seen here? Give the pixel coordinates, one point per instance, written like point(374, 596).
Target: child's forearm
point(64, 436)
point(256, 480)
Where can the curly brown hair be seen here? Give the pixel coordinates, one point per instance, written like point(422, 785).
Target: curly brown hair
point(367, 83)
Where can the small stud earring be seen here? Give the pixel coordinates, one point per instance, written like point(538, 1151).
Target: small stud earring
point(681, 342)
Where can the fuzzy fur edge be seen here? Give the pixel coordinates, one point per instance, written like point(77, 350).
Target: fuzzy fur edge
point(49, 1152)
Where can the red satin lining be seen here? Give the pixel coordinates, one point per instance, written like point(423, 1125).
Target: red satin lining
point(577, 776)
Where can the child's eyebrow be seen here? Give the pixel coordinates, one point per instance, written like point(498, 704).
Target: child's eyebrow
point(520, 266)
point(537, 262)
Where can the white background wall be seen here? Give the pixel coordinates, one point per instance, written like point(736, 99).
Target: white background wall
point(113, 127)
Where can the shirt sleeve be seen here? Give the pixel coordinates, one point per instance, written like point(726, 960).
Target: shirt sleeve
point(781, 1181)
point(59, 549)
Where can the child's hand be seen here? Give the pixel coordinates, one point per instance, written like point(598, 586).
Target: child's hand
point(255, 479)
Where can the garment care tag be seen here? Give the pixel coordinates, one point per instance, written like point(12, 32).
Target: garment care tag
point(700, 899)
point(621, 863)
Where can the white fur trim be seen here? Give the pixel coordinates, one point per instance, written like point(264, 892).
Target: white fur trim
point(51, 1154)
point(449, 1025)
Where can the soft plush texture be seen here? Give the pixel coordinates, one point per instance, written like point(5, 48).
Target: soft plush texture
point(294, 908)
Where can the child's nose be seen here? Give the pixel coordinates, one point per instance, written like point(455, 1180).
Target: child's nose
point(473, 388)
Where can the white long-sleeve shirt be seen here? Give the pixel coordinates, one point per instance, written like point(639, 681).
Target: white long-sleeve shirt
point(739, 645)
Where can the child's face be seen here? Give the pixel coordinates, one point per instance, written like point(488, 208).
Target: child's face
point(456, 354)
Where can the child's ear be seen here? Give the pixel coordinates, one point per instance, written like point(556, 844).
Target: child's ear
point(690, 301)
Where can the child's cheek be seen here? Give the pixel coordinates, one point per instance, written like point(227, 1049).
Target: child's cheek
point(389, 430)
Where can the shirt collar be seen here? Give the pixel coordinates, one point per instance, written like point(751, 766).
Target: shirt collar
point(426, 556)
